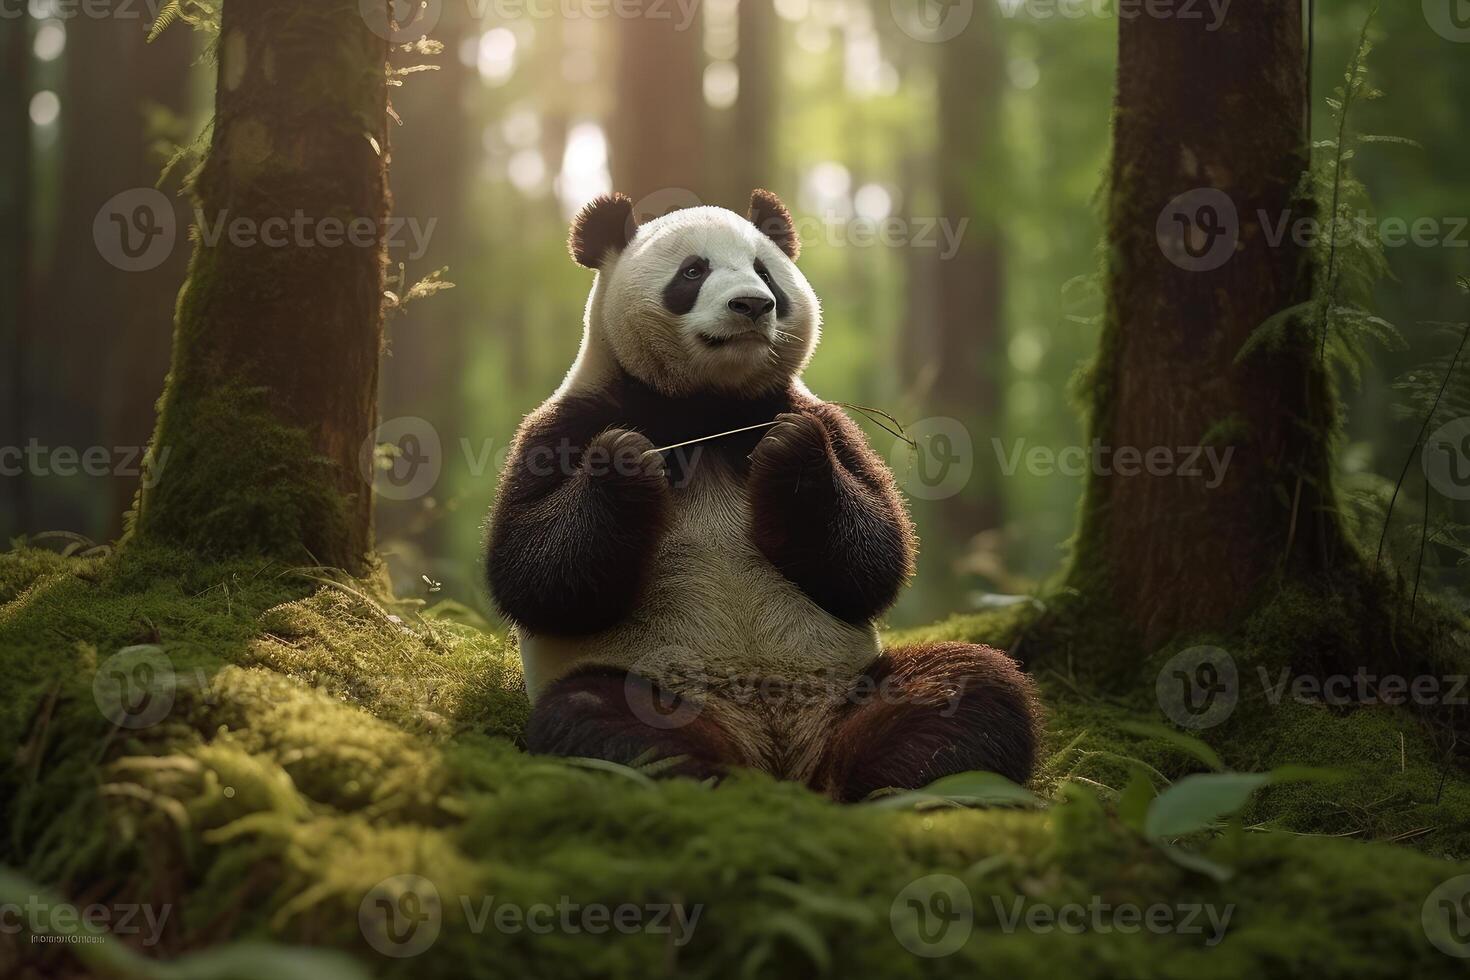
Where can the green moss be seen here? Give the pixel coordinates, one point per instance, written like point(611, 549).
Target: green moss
point(324, 738)
point(233, 479)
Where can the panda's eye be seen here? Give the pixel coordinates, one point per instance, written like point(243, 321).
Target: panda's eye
point(765, 276)
point(693, 272)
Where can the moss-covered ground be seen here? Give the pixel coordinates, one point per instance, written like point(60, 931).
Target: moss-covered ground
point(322, 739)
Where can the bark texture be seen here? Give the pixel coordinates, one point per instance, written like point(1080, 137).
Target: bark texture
point(270, 403)
point(15, 258)
point(1202, 111)
point(658, 116)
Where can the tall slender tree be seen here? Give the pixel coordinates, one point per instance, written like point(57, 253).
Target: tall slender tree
point(753, 125)
point(430, 181)
point(15, 255)
point(1192, 272)
point(270, 405)
point(963, 343)
point(658, 118)
point(121, 316)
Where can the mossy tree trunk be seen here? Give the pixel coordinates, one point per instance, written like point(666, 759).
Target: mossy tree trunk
point(15, 254)
point(658, 118)
point(1200, 112)
point(271, 399)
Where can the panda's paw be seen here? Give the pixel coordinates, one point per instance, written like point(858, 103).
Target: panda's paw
point(796, 446)
point(627, 457)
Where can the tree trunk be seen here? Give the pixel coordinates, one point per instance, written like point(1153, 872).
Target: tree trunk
point(1163, 547)
point(757, 65)
point(965, 339)
point(117, 314)
point(271, 400)
point(422, 375)
point(657, 136)
point(15, 258)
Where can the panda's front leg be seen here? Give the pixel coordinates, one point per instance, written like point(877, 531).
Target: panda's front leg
point(571, 546)
point(825, 513)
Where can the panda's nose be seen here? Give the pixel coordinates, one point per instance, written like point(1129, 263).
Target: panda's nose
point(754, 307)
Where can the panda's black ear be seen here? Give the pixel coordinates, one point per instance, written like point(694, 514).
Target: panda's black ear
point(605, 225)
point(769, 215)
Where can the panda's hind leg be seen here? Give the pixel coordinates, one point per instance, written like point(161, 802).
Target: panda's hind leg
point(920, 713)
point(619, 716)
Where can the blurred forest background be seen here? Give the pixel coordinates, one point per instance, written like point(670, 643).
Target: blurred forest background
point(845, 108)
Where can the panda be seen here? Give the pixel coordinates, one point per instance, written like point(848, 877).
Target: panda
point(710, 603)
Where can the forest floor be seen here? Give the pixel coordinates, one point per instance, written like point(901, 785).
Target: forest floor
point(314, 748)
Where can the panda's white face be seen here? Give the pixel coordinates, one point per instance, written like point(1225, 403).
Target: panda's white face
point(701, 300)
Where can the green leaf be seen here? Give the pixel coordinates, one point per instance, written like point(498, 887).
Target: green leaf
point(1196, 802)
point(961, 789)
point(1194, 862)
point(1180, 740)
point(1133, 805)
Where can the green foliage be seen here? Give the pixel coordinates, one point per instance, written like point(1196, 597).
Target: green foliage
point(1348, 257)
point(325, 738)
point(202, 15)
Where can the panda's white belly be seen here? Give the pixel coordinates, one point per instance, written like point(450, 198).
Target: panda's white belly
point(714, 610)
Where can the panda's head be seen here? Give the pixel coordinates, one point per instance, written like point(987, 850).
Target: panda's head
point(697, 300)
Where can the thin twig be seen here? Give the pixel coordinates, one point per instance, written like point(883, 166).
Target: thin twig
point(1423, 428)
point(717, 435)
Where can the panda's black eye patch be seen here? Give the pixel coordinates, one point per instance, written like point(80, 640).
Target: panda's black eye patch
point(682, 291)
point(783, 302)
